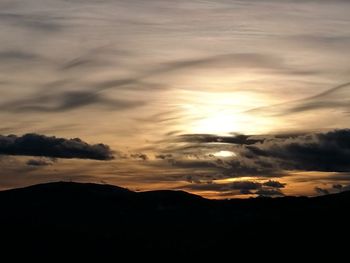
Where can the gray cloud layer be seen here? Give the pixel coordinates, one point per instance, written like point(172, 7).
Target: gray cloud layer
point(329, 152)
point(268, 156)
point(41, 145)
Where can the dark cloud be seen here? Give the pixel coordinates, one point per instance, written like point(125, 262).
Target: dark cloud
point(40, 162)
point(78, 63)
point(41, 145)
point(341, 188)
point(243, 167)
point(244, 187)
point(223, 167)
point(328, 152)
point(192, 179)
point(337, 186)
point(164, 156)
point(207, 187)
point(270, 156)
point(246, 192)
point(211, 138)
point(321, 191)
point(269, 192)
point(140, 156)
point(274, 184)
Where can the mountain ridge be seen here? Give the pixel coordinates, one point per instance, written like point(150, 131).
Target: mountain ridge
point(90, 218)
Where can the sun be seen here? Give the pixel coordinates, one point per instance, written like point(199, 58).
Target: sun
point(223, 113)
point(220, 122)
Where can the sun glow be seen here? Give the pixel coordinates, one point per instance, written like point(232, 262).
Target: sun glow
point(224, 113)
point(224, 154)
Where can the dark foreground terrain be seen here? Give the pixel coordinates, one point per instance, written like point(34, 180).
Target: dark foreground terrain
point(62, 218)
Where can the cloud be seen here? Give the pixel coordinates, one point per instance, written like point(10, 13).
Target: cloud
point(334, 98)
point(67, 100)
point(341, 188)
point(40, 162)
point(274, 184)
point(246, 192)
point(35, 22)
point(269, 192)
point(244, 60)
point(164, 156)
point(226, 167)
point(207, 187)
point(229, 60)
point(243, 187)
point(70, 100)
point(212, 138)
point(328, 152)
point(41, 145)
point(140, 156)
point(16, 55)
point(192, 179)
point(270, 156)
point(337, 186)
point(321, 191)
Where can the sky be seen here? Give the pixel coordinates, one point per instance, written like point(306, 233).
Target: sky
point(221, 98)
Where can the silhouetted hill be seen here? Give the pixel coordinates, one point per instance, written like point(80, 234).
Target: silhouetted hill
point(96, 218)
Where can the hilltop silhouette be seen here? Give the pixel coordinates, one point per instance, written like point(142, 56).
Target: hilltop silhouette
point(68, 217)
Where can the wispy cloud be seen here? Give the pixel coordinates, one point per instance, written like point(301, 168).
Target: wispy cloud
point(67, 100)
point(40, 162)
point(40, 22)
point(333, 98)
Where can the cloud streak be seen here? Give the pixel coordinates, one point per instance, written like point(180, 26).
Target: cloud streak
point(43, 23)
point(70, 100)
point(212, 138)
point(66, 101)
point(333, 98)
point(40, 162)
